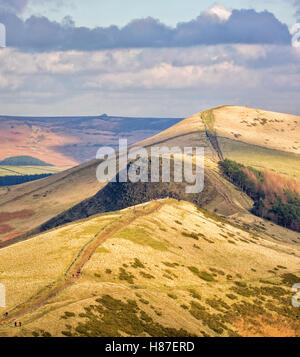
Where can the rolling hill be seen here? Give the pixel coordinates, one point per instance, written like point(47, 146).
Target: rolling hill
point(64, 196)
point(23, 161)
point(163, 268)
point(80, 258)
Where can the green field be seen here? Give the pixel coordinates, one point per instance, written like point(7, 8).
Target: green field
point(30, 170)
point(259, 157)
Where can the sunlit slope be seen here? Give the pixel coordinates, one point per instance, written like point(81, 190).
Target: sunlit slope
point(190, 132)
point(257, 138)
point(52, 196)
point(277, 131)
point(165, 268)
point(36, 202)
point(250, 136)
point(30, 170)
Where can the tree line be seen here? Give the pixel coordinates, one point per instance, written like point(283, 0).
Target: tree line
point(275, 198)
point(17, 180)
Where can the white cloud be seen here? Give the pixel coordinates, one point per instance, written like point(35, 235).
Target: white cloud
point(161, 82)
point(220, 11)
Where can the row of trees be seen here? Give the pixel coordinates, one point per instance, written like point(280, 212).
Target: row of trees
point(279, 205)
point(17, 180)
point(245, 178)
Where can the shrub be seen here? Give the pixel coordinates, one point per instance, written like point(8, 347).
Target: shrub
point(190, 235)
point(201, 274)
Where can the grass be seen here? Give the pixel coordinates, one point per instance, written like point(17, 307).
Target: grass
point(29, 170)
point(102, 250)
point(190, 235)
point(146, 275)
point(111, 317)
point(42, 259)
point(130, 271)
point(142, 237)
point(259, 157)
point(209, 120)
point(195, 294)
point(201, 274)
point(124, 275)
point(137, 264)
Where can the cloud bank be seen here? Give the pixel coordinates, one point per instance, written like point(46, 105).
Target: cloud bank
point(13, 6)
point(213, 27)
point(159, 82)
point(224, 56)
point(297, 7)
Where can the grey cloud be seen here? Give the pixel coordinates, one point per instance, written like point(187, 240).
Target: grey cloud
point(15, 6)
point(244, 26)
point(160, 81)
point(297, 7)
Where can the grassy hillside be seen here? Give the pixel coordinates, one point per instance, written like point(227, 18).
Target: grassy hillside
point(54, 196)
point(281, 162)
point(165, 268)
point(46, 198)
point(30, 170)
point(276, 131)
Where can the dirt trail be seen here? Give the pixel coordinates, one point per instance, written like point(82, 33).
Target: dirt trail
point(208, 120)
point(51, 290)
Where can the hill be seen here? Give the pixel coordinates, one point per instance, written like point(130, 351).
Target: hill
point(23, 161)
point(257, 138)
point(51, 199)
point(164, 268)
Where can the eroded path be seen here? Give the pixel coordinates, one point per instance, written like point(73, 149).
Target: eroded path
point(67, 279)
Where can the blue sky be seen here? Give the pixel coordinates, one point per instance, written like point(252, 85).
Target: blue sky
point(92, 13)
point(164, 58)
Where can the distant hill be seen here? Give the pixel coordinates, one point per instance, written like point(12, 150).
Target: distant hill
point(69, 141)
point(23, 161)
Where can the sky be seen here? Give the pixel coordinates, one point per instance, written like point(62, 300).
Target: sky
point(164, 58)
point(92, 13)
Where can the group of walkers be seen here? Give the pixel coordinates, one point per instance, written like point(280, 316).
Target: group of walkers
point(76, 275)
point(16, 323)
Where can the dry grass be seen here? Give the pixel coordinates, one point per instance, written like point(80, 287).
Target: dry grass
point(271, 130)
point(128, 264)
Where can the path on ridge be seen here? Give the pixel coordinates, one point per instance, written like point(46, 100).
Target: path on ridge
point(54, 288)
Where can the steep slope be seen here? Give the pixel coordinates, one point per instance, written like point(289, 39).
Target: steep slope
point(164, 268)
point(46, 198)
point(52, 196)
point(218, 195)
